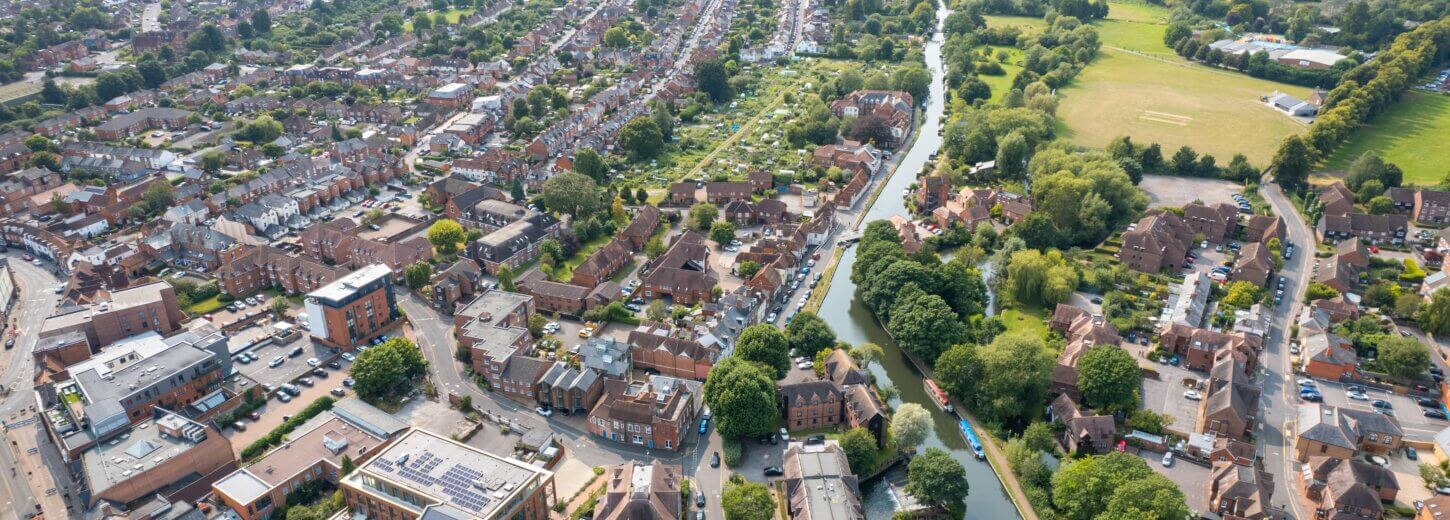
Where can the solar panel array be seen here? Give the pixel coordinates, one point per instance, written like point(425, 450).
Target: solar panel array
point(456, 481)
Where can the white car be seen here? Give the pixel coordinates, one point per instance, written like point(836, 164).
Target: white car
point(348, 356)
point(1167, 459)
point(313, 362)
point(1304, 381)
point(1358, 396)
point(1192, 395)
point(544, 411)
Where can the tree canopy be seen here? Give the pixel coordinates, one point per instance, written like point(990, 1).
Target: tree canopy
point(934, 477)
point(765, 344)
point(574, 194)
point(742, 396)
point(1109, 379)
point(387, 370)
point(808, 334)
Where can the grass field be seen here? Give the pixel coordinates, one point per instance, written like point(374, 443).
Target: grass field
point(1412, 134)
point(1001, 84)
point(1135, 36)
point(1137, 12)
point(1173, 103)
point(1028, 24)
point(1029, 320)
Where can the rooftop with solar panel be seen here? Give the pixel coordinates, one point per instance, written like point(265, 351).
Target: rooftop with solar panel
point(423, 471)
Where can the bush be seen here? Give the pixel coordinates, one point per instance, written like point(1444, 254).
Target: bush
point(732, 451)
point(274, 437)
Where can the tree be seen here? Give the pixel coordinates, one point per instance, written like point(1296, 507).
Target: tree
point(1083, 488)
point(766, 345)
point(1151, 498)
point(1381, 205)
point(1293, 161)
point(934, 477)
point(808, 333)
point(421, 22)
point(1038, 436)
point(446, 234)
point(701, 216)
point(925, 325)
point(1242, 295)
point(261, 21)
point(616, 38)
point(302, 512)
point(280, 306)
point(1015, 369)
point(1402, 358)
point(860, 448)
point(588, 162)
point(910, 426)
point(867, 353)
point(722, 231)
point(748, 501)
point(656, 311)
point(209, 39)
point(387, 370)
point(260, 130)
point(711, 78)
point(574, 194)
point(654, 248)
point(417, 275)
point(660, 112)
point(347, 465)
point(746, 269)
point(159, 197)
point(642, 139)
point(1184, 161)
point(1109, 378)
point(1434, 316)
point(1012, 154)
point(505, 278)
point(741, 394)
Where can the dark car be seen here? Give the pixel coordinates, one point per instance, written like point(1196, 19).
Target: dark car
point(774, 471)
point(334, 365)
point(9, 343)
point(1311, 397)
point(1381, 403)
point(1411, 454)
point(700, 500)
point(319, 373)
point(816, 439)
point(1435, 414)
point(295, 352)
point(1426, 402)
point(715, 460)
point(254, 416)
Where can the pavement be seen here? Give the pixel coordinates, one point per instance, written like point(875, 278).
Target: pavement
point(1276, 420)
point(19, 496)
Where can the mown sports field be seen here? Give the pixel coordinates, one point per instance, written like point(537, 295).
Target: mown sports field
point(1414, 134)
point(1138, 87)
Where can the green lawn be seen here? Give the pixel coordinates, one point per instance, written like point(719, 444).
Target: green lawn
point(565, 270)
point(1030, 320)
point(1137, 12)
point(1173, 103)
point(1001, 84)
point(1135, 36)
point(454, 15)
point(1028, 24)
point(204, 306)
point(1412, 134)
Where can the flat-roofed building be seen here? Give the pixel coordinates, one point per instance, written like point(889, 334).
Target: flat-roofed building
point(159, 455)
point(131, 311)
point(121, 385)
point(423, 474)
point(353, 308)
point(352, 429)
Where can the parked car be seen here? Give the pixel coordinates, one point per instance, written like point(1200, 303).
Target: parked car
point(1312, 397)
point(1381, 403)
point(704, 426)
point(1358, 396)
point(815, 439)
point(784, 435)
point(1168, 459)
point(699, 500)
point(291, 389)
point(1192, 395)
point(1435, 414)
point(544, 411)
point(774, 471)
point(715, 459)
point(276, 362)
point(1426, 402)
point(334, 365)
point(284, 397)
point(1411, 454)
point(320, 373)
point(313, 362)
point(348, 356)
point(339, 392)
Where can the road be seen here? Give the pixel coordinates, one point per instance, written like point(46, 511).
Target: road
point(434, 332)
point(151, 18)
point(1276, 423)
point(35, 302)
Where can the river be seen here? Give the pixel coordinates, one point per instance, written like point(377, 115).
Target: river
point(854, 324)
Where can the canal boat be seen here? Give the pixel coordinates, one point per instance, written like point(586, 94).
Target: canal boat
point(972, 439)
point(937, 395)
